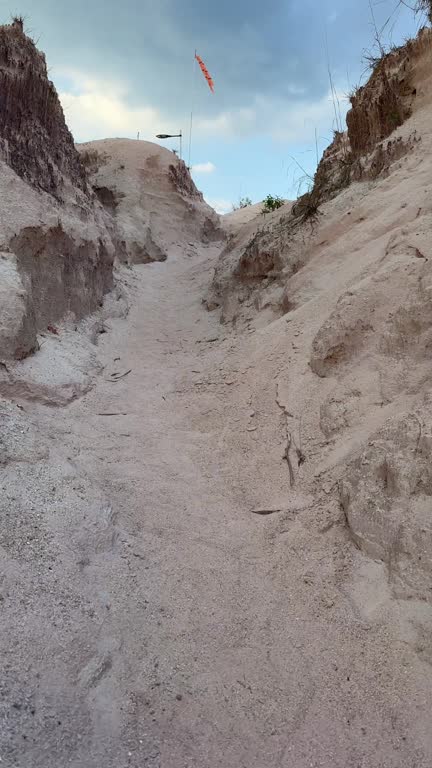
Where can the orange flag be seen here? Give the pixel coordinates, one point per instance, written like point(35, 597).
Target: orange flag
point(205, 72)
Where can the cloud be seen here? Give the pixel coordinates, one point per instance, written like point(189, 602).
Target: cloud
point(293, 122)
point(203, 168)
point(95, 109)
point(254, 50)
point(220, 206)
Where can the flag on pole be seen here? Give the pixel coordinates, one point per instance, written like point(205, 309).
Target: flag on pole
point(205, 72)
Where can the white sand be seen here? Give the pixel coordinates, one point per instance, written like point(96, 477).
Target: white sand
point(150, 617)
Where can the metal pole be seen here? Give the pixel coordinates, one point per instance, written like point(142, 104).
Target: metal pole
point(190, 139)
point(191, 114)
point(181, 156)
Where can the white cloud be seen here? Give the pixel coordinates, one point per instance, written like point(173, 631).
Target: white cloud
point(227, 124)
point(95, 108)
point(283, 120)
point(203, 168)
point(220, 206)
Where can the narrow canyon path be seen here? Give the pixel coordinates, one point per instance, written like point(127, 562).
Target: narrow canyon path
point(174, 627)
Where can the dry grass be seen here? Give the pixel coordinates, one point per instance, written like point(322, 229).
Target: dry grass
point(92, 160)
point(18, 21)
point(307, 207)
point(424, 6)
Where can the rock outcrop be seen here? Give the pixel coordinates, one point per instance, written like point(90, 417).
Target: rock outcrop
point(339, 289)
point(34, 138)
point(67, 214)
point(273, 249)
point(57, 251)
point(151, 200)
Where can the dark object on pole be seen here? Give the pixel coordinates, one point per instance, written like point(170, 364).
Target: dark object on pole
point(172, 136)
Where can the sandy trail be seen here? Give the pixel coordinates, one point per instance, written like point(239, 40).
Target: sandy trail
point(175, 628)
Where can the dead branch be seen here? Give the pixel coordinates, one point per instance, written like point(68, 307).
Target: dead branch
point(420, 433)
point(288, 458)
point(281, 405)
point(301, 458)
point(286, 455)
point(119, 376)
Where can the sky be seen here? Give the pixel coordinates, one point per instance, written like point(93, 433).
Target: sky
point(126, 67)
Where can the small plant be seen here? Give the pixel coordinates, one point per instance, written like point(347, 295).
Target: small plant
point(18, 21)
point(243, 202)
point(272, 203)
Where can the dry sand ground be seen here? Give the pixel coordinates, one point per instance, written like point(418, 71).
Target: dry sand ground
point(168, 598)
point(151, 618)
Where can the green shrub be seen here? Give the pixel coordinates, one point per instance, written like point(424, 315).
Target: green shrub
point(243, 202)
point(272, 203)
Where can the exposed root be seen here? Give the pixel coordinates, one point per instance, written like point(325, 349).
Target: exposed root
point(301, 458)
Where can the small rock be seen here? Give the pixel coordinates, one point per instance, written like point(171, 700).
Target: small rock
point(252, 429)
point(179, 697)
